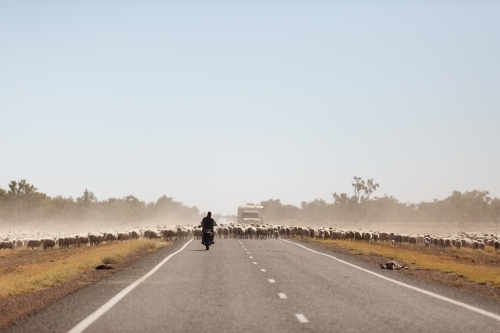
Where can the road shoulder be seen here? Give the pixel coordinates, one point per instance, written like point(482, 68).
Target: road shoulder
point(17, 308)
point(476, 294)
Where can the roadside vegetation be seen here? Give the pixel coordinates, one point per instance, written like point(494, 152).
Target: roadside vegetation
point(26, 271)
point(21, 202)
point(362, 207)
point(480, 266)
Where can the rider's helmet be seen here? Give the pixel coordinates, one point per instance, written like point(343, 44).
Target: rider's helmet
point(209, 214)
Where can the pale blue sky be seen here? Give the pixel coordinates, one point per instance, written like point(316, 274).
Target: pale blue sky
point(219, 103)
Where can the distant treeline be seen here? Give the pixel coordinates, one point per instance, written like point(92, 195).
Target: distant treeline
point(359, 208)
point(22, 202)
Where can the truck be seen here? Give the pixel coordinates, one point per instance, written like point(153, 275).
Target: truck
point(250, 213)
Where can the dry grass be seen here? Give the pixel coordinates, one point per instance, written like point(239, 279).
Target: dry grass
point(473, 265)
point(24, 271)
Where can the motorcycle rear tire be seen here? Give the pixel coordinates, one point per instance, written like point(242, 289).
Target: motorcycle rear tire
point(207, 247)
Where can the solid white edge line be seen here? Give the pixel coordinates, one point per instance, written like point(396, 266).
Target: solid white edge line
point(82, 326)
point(423, 291)
point(301, 318)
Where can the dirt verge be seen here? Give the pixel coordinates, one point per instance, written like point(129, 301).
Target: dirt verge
point(15, 307)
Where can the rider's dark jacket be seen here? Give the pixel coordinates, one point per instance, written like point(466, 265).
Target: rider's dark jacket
point(208, 223)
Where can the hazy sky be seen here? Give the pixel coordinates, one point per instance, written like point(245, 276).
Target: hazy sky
point(219, 103)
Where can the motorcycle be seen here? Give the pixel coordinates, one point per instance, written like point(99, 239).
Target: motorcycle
point(207, 238)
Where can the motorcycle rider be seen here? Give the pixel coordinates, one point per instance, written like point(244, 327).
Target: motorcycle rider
point(208, 223)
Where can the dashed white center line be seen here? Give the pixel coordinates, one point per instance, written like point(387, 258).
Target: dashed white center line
point(282, 295)
point(301, 318)
point(251, 257)
point(271, 281)
point(245, 249)
point(262, 269)
point(254, 263)
point(248, 252)
point(243, 246)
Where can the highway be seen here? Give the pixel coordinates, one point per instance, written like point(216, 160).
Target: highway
point(262, 286)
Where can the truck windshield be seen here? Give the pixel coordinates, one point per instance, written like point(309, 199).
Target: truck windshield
point(250, 215)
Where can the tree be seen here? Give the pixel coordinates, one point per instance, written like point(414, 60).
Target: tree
point(274, 210)
point(362, 190)
point(87, 199)
point(21, 188)
point(467, 207)
point(317, 210)
point(3, 195)
point(353, 208)
point(494, 211)
point(23, 200)
point(167, 208)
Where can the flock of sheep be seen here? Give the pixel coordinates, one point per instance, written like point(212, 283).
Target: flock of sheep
point(458, 240)
point(36, 240)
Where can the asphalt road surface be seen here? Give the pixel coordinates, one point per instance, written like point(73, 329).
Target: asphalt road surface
point(262, 286)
